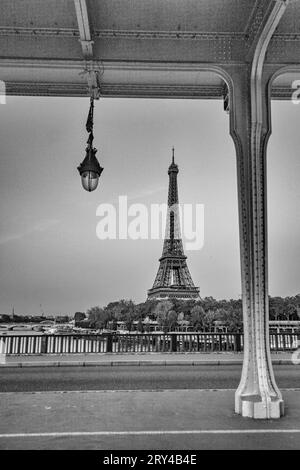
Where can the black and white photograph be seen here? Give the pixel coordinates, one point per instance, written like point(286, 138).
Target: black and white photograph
point(150, 228)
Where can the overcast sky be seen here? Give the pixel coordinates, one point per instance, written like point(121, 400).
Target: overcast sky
point(50, 257)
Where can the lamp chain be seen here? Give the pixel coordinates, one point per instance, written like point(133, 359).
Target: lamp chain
point(90, 123)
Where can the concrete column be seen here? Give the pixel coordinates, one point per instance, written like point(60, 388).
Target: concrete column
point(257, 395)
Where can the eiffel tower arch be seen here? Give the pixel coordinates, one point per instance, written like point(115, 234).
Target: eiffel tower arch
point(173, 279)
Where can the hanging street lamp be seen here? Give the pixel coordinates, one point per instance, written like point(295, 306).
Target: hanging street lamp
point(90, 169)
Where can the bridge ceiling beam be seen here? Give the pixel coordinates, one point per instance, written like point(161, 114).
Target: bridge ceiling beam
point(84, 28)
point(63, 48)
point(85, 34)
point(256, 24)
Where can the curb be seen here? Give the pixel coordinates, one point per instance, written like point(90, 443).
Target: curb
point(133, 363)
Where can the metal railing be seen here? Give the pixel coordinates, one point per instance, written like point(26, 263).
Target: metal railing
point(136, 343)
point(53, 344)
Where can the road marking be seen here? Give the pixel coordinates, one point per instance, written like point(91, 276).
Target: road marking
point(116, 390)
point(126, 390)
point(151, 433)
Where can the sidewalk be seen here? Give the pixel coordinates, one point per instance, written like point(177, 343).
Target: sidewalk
point(137, 359)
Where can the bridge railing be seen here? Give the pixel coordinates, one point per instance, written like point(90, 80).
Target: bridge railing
point(136, 343)
point(53, 344)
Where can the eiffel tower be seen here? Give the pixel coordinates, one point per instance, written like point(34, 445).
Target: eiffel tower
point(173, 279)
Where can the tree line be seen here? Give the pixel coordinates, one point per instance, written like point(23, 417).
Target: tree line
point(169, 314)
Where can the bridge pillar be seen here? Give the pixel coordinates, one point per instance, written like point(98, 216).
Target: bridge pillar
point(257, 395)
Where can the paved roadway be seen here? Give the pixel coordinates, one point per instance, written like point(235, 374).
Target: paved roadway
point(123, 377)
point(165, 419)
point(139, 407)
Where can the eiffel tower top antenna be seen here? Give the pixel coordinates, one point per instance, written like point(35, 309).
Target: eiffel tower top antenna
point(173, 161)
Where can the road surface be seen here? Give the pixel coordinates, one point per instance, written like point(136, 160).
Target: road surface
point(134, 377)
point(139, 407)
